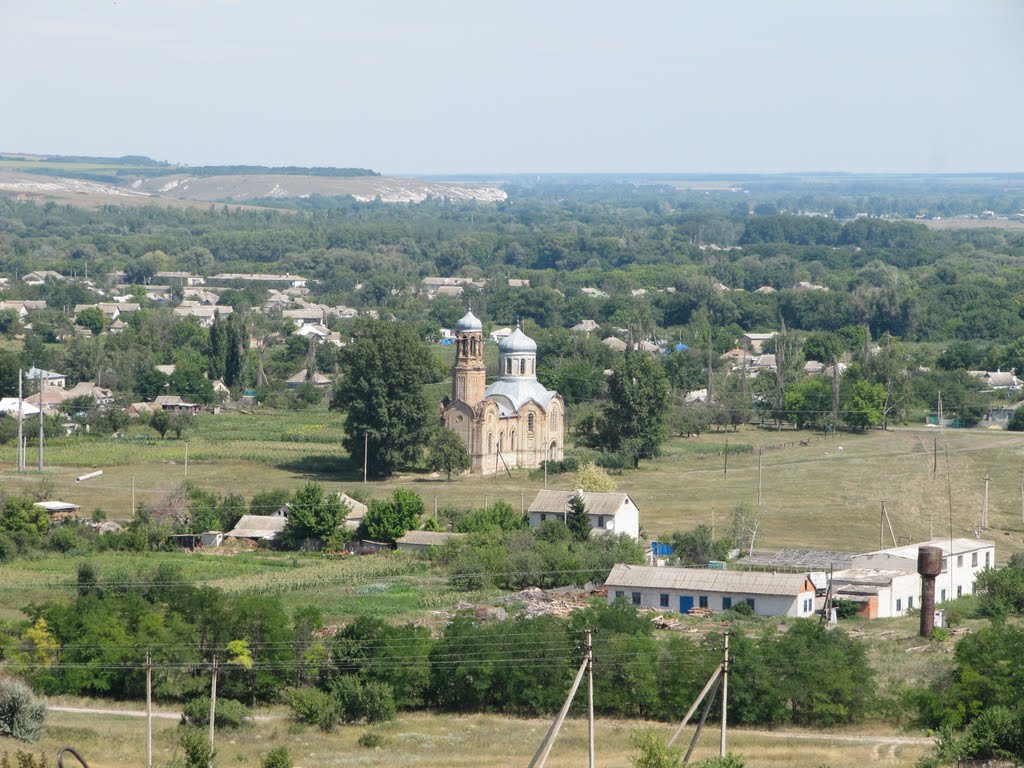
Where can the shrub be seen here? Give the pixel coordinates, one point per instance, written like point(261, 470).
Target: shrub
point(21, 712)
point(372, 702)
point(231, 714)
point(65, 539)
point(371, 740)
point(24, 760)
point(277, 758)
point(8, 549)
point(845, 609)
point(313, 707)
point(199, 752)
point(939, 635)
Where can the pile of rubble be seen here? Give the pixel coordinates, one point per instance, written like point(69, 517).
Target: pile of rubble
point(551, 602)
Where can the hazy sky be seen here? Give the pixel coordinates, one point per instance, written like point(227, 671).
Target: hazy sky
point(459, 86)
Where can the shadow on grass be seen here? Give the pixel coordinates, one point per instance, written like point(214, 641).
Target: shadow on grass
point(323, 467)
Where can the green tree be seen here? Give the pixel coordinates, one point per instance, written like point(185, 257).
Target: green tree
point(381, 392)
point(313, 515)
point(577, 519)
point(92, 318)
point(865, 405)
point(1016, 422)
point(160, 421)
point(698, 546)
point(390, 519)
point(20, 515)
point(808, 403)
point(638, 401)
point(447, 453)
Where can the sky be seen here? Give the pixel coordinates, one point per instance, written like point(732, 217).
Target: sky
point(521, 86)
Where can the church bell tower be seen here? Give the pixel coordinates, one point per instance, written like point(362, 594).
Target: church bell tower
point(469, 376)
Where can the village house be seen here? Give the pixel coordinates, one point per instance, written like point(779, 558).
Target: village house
point(448, 286)
point(997, 379)
point(41, 277)
point(295, 281)
point(175, 404)
point(610, 513)
point(203, 313)
point(10, 407)
point(969, 557)
point(304, 316)
point(680, 589)
point(258, 528)
point(803, 285)
point(50, 379)
point(318, 380)
point(180, 278)
point(421, 541)
point(754, 342)
point(585, 326)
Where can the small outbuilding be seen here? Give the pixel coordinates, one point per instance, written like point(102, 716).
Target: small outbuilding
point(258, 527)
point(421, 541)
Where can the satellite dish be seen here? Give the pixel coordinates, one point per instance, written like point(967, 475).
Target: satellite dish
point(609, 525)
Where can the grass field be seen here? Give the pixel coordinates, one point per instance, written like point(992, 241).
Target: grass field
point(432, 741)
point(825, 494)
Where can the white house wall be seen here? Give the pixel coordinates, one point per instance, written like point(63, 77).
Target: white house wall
point(764, 605)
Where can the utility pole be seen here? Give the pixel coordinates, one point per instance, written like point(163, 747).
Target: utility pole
point(149, 710)
point(21, 428)
point(590, 697)
point(935, 457)
point(541, 756)
point(984, 508)
point(725, 692)
point(186, 461)
point(133, 498)
point(213, 700)
point(366, 454)
point(725, 468)
point(40, 420)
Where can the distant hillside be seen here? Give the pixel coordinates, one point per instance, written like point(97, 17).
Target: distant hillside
point(128, 168)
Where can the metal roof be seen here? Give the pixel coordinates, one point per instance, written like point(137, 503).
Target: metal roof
point(596, 503)
point(960, 546)
point(705, 580)
point(428, 538)
point(811, 559)
point(258, 527)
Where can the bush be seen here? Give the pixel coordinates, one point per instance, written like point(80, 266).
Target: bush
point(939, 635)
point(231, 714)
point(371, 702)
point(277, 758)
point(313, 707)
point(22, 713)
point(8, 549)
point(371, 740)
point(845, 609)
point(65, 539)
point(24, 760)
point(199, 752)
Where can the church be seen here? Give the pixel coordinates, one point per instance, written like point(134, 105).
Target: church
point(514, 422)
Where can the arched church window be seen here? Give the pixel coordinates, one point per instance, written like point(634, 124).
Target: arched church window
point(513, 439)
point(529, 422)
point(501, 442)
point(508, 366)
point(522, 366)
point(554, 416)
point(490, 442)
